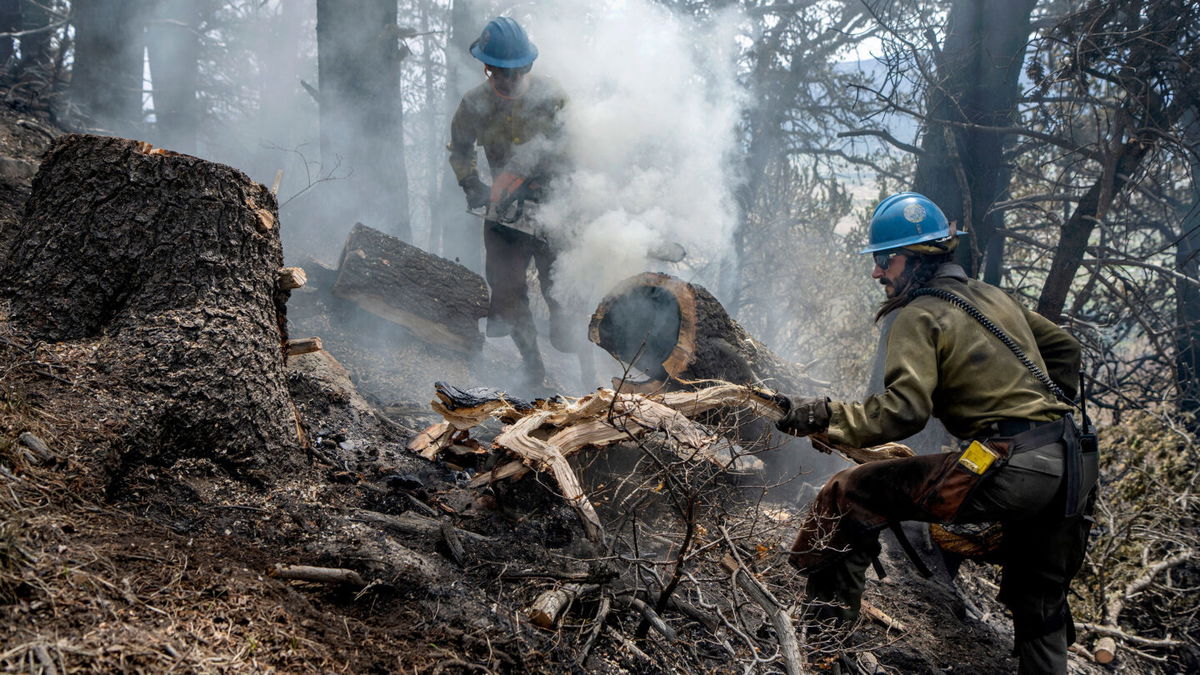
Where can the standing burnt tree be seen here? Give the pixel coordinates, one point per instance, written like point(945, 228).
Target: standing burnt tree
point(173, 50)
point(359, 55)
point(168, 265)
point(106, 80)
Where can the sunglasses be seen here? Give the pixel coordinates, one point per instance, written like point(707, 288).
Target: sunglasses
point(509, 73)
point(884, 258)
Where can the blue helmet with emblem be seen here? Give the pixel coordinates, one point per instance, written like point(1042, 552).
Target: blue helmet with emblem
point(910, 220)
point(504, 44)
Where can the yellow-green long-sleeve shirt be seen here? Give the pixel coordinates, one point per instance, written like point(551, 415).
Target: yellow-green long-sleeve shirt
point(940, 362)
point(522, 134)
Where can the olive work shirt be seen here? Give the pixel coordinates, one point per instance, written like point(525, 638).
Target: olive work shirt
point(521, 134)
point(941, 362)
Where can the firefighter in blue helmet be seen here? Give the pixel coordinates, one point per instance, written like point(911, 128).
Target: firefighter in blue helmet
point(1022, 461)
point(515, 116)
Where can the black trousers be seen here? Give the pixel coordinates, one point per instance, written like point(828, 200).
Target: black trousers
point(1042, 549)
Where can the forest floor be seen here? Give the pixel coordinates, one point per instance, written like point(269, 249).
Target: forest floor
point(170, 569)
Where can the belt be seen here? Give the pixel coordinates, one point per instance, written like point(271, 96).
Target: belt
point(1011, 427)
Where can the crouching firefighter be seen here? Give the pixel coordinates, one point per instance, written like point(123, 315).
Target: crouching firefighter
point(514, 115)
point(1002, 380)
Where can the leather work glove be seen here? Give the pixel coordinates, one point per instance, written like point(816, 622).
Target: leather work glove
point(476, 190)
point(504, 187)
point(805, 416)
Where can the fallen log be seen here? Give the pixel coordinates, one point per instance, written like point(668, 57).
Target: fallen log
point(438, 301)
point(321, 575)
point(677, 334)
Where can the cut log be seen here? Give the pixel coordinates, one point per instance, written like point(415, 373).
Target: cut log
point(677, 333)
point(303, 346)
point(1105, 651)
point(321, 575)
point(549, 606)
point(172, 261)
point(438, 301)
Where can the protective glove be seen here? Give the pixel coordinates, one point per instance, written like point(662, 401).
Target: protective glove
point(805, 416)
point(476, 190)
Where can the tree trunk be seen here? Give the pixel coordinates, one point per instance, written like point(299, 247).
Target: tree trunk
point(1092, 207)
point(10, 22)
point(977, 74)
point(173, 48)
point(462, 236)
point(438, 301)
point(106, 82)
point(675, 332)
point(359, 60)
point(169, 264)
point(35, 46)
point(1187, 308)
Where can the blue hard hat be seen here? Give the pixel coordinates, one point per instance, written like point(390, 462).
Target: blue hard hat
point(504, 44)
point(905, 219)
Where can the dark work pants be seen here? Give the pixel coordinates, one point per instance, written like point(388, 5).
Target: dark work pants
point(1042, 549)
point(508, 254)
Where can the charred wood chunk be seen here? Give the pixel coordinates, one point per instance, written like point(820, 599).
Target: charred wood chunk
point(437, 300)
point(174, 261)
point(673, 332)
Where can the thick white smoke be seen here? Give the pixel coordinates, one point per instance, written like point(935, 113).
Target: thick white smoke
point(651, 121)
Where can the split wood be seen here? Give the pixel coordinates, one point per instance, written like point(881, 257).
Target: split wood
point(607, 417)
point(303, 346)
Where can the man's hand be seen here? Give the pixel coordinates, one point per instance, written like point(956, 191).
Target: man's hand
point(805, 416)
point(476, 190)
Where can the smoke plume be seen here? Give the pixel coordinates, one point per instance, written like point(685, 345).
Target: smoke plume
point(651, 126)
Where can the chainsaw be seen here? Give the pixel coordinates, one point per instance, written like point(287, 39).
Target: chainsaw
point(518, 210)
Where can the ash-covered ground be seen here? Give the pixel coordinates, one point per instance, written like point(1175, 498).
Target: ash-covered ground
point(171, 568)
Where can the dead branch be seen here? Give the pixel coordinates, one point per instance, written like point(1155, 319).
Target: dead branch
point(321, 575)
point(789, 643)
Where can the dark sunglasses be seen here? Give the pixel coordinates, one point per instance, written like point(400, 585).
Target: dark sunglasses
point(884, 258)
point(510, 73)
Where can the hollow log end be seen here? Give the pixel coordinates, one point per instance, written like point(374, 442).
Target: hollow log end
point(648, 321)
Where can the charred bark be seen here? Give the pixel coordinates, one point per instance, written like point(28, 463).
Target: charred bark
point(169, 264)
point(439, 301)
point(675, 333)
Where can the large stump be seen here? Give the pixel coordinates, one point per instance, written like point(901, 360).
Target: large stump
point(676, 333)
point(437, 300)
point(169, 264)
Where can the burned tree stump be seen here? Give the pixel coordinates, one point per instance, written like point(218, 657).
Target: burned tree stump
point(437, 300)
point(169, 264)
point(676, 333)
